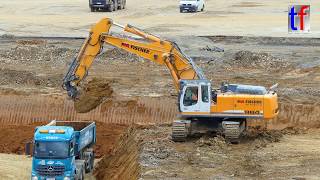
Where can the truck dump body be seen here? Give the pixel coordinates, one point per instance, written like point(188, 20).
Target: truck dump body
point(84, 133)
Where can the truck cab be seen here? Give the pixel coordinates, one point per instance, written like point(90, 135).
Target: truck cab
point(191, 5)
point(62, 152)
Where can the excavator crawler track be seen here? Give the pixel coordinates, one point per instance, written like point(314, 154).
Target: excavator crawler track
point(232, 131)
point(180, 130)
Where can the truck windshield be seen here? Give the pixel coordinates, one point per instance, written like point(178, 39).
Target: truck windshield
point(52, 150)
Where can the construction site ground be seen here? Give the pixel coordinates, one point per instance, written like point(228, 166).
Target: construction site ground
point(234, 41)
point(289, 153)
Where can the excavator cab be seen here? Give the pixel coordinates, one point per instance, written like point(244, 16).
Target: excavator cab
point(195, 96)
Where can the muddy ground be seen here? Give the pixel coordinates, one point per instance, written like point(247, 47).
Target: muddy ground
point(35, 67)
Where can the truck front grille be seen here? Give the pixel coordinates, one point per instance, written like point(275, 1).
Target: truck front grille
point(99, 1)
point(45, 170)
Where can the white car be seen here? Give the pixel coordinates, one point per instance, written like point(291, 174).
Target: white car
point(191, 5)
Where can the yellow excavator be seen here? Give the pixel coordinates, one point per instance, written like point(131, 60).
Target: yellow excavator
point(202, 108)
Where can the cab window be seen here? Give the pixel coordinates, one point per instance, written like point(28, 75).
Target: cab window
point(190, 96)
point(205, 94)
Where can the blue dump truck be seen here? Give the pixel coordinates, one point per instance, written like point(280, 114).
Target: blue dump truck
point(63, 150)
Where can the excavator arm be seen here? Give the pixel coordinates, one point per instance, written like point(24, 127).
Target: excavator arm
point(148, 46)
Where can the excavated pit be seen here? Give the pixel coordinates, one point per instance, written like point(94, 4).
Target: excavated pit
point(32, 96)
point(116, 146)
point(14, 137)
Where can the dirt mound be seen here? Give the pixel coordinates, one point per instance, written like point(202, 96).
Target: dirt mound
point(36, 51)
point(263, 135)
point(248, 59)
point(31, 42)
point(305, 95)
point(93, 94)
point(294, 131)
point(119, 55)
point(9, 76)
point(122, 162)
point(14, 77)
point(218, 144)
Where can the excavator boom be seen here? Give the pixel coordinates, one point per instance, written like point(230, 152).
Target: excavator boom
point(223, 110)
point(148, 46)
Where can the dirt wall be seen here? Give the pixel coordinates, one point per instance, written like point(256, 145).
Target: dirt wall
point(297, 115)
point(122, 162)
point(143, 110)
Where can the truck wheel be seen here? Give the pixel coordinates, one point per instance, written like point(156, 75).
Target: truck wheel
point(115, 5)
point(124, 4)
point(120, 5)
point(82, 175)
point(110, 8)
point(92, 9)
point(202, 8)
point(92, 161)
point(89, 166)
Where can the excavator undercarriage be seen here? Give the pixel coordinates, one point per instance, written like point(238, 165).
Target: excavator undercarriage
point(231, 129)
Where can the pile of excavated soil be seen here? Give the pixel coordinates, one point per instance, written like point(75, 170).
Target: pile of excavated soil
point(14, 137)
point(27, 78)
point(122, 162)
point(93, 94)
point(263, 134)
point(36, 51)
point(119, 55)
point(253, 60)
point(217, 144)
